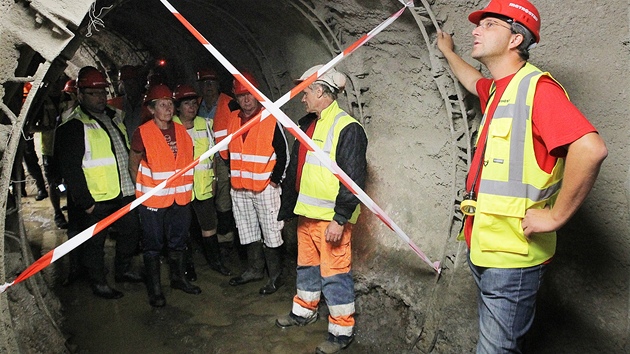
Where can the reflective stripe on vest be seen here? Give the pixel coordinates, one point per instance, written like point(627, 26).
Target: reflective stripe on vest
point(252, 159)
point(512, 182)
point(319, 186)
point(221, 119)
point(160, 163)
point(99, 160)
point(204, 172)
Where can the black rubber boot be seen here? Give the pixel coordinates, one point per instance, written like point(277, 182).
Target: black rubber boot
point(178, 268)
point(190, 272)
point(273, 257)
point(123, 272)
point(154, 285)
point(241, 250)
point(256, 265)
point(212, 252)
point(77, 271)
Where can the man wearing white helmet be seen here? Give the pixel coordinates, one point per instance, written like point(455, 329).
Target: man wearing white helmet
point(535, 160)
point(326, 210)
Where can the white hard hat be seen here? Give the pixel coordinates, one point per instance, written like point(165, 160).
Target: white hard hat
point(332, 78)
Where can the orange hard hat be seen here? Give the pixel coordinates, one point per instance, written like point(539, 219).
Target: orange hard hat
point(90, 77)
point(207, 74)
point(70, 86)
point(521, 11)
point(240, 89)
point(183, 92)
point(127, 72)
point(157, 92)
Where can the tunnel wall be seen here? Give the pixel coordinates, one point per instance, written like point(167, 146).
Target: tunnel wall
point(584, 302)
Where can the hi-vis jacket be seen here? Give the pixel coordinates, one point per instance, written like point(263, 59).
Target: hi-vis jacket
point(222, 118)
point(512, 182)
point(99, 160)
point(160, 163)
point(204, 172)
point(252, 160)
point(318, 186)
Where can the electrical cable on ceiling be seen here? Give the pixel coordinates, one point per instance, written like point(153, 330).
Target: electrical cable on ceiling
point(95, 20)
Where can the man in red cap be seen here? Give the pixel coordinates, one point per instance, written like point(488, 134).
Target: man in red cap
point(93, 153)
point(535, 161)
point(258, 161)
point(215, 106)
point(130, 86)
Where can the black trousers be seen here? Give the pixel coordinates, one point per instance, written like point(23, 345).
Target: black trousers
point(92, 253)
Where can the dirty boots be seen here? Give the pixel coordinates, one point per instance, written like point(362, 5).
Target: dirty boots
point(334, 344)
point(123, 272)
point(273, 257)
point(292, 319)
point(178, 268)
point(212, 253)
point(154, 286)
point(256, 265)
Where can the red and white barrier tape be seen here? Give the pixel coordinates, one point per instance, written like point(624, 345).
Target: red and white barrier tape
point(83, 236)
point(274, 109)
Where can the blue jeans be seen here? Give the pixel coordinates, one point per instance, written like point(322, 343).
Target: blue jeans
point(506, 305)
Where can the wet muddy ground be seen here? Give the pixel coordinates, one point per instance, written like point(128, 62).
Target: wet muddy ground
point(222, 319)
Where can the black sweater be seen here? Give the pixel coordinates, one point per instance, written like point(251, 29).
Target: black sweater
point(350, 157)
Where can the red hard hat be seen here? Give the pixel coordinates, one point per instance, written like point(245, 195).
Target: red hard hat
point(91, 78)
point(156, 92)
point(183, 92)
point(240, 89)
point(127, 72)
point(206, 74)
point(521, 11)
point(70, 87)
point(155, 79)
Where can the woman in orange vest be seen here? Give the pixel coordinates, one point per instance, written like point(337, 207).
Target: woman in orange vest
point(159, 149)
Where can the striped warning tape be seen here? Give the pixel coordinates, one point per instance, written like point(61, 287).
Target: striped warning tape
point(272, 108)
point(83, 236)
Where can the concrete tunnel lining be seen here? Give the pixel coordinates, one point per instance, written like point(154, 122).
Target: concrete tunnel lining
point(394, 88)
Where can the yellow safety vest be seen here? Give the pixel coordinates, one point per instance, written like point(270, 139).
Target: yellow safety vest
point(204, 172)
point(318, 186)
point(99, 160)
point(512, 182)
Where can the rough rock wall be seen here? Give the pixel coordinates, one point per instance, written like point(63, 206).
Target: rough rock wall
point(28, 313)
point(584, 302)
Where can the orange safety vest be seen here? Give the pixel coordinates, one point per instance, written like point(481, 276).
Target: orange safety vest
point(116, 102)
point(252, 160)
point(160, 163)
point(221, 119)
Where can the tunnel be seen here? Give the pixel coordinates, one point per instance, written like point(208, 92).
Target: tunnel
point(421, 126)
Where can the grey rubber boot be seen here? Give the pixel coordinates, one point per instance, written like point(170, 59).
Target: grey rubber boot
point(273, 257)
point(256, 265)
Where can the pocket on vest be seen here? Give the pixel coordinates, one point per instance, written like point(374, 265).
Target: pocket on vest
point(498, 233)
